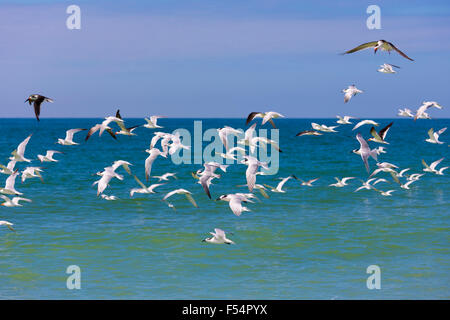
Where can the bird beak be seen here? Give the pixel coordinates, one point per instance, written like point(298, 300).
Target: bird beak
point(27, 100)
point(218, 199)
point(375, 50)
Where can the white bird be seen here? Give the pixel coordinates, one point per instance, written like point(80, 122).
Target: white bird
point(279, 187)
point(364, 122)
point(218, 237)
point(152, 122)
point(350, 92)
point(426, 105)
point(235, 202)
point(104, 126)
point(250, 173)
point(187, 193)
point(14, 202)
point(344, 120)
point(68, 140)
point(263, 141)
point(153, 154)
point(176, 144)
point(386, 165)
point(441, 171)
point(388, 169)
point(124, 130)
point(415, 176)
point(309, 182)
point(379, 44)
point(366, 185)
point(9, 169)
point(432, 167)
point(380, 150)
point(323, 128)
point(48, 156)
point(386, 193)
point(387, 68)
point(402, 172)
point(266, 116)
point(211, 167)
point(109, 198)
point(341, 182)
point(379, 181)
point(405, 113)
point(158, 135)
point(144, 189)
point(260, 188)
point(225, 132)
point(166, 176)
point(103, 182)
point(8, 225)
point(9, 185)
point(434, 136)
point(110, 172)
point(32, 172)
point(18, 155)
point(248, 138)
point(365, 151)
point(406, 185)
point(381, 135)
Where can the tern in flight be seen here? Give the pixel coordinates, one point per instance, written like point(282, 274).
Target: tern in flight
point(9, 169)
point(341, 182)
point(380, 44)
point(7, 224)
point(109, 198)
point(381, 135)
point(18, 155)
point(387, 68)
point(48, 156)
point(124, 130)
point(37, 100)
point(9, 185)
point(406, 185)
point(366, 185)
point(235, 202)
point(424, 107)
point(405, 113)
point(153, 154)
point(68, 140)
point(166, 176)
point(218, 237)
point(32, 172)
point(434, 136)
point(151, 123)
point(250, 173)
point(104, 126)
point(386, 193)
point(364, 122)
point(432, 167)
point(323, 128)
point(309, 182)
point(225, 132)
point(187, 193)
point(344, 120)
point(144, 189)
point(14, 202)
point(365, 151)
point(350, 92)
point(266, 116)
point(308, 133)
point(279, 187)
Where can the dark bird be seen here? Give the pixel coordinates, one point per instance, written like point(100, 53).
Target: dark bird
point(380, 44)
point(37, 99)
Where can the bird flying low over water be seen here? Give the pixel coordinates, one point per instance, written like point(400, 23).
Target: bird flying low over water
point(151, 123)
point(432, 167)
point(309, 182)
point(308, 133)
point(379, 44)
point(250, 173)
point(9, 169)
point(37, 99)
point(218, 237)
point(350, 92)
point(187, 193)
point(434, 136)
point(279, 187)
point(364, 122)
point(381, 135)
point(341, 182)
point(9, 185)
point(405, 113)
point(32, 172)
point(104, 126)
point(323, 128)
point(153, 154)
point(68, 140)
point(344, 120)
point(19, 154)
point(124, 130)
point(387, 68)
point(426, 105)
point(14, 202)
point(365, 151)
point(235, 202)
point(144, 189)
point(7, 224)
point(267, 116)
point(48, 157)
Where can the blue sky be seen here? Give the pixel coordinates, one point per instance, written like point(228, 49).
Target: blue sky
point(208, 58)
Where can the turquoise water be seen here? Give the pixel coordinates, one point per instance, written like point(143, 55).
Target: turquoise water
point(309, 243)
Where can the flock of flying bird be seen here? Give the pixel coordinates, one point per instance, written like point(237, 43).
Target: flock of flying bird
point(171, 143)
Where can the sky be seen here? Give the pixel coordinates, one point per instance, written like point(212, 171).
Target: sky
point(207, 58)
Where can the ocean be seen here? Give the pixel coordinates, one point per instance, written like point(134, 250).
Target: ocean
point(308, 243)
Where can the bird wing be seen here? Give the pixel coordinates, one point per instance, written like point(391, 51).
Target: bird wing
point(435, 164)
point(374, 133)
point(362, 46)
point(383, 132)
point(23, 145)
point(139, 182)
point(191, 199)
point(401, 53)
point(251, 116)
point(92, 131)
point(236, 206)
point(431, 134)
point(205, 181)
point(37, 108)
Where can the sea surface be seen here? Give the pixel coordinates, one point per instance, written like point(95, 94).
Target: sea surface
point(308, 243)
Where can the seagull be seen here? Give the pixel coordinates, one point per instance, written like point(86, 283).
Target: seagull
point(267, 116)
point(387, 68)
point(309, 182)
point(380, 44)
point(279, 187)
point(425, 106)
point(37, 99)
point(342, 182)
point(250, 173)
point(350, 92)
point(9, 185)
point(14, 202)
point(211, 167)
point(153, 154)
point(31, 172)
point(405, 113)
point(176, 144)
point(225, 132)
point(205, 180)
point(68, 140)
point(406, 185)
point(381, 135)
point(109, 173)
point(109, 198)
point(7, 224)
point(365, 151)
point(218, 237)
point(144, 189)
point(322, 127)
point(187, 193)
point(363, 122)
point(434, 136)
point(344, 120)
point(104, 126)
point(48, 156)
point(166, 176)
point(366, 185)
point(18, 154)
point(235, 202)
point(124, 130)
point(9, 169)
point(308, 133)
point(432, 167)
point(151, 123)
